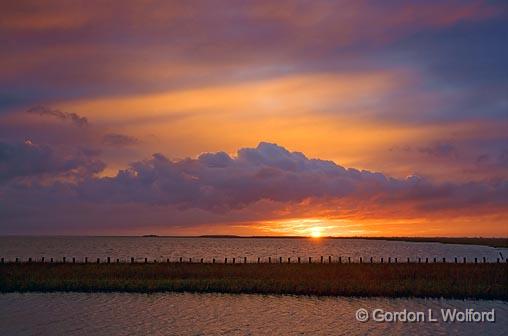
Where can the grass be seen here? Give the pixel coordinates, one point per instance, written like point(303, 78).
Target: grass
point(479, 281)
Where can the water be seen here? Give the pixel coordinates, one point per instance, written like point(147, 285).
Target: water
point(207, 248)
point(224, 314)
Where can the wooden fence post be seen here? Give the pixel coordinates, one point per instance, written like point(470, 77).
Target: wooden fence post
point(259, 260)
point(98, 260)
point(298, 259)
point(329, 259)
point(321, 259)
point(63, 260)
point(132, 260)
point(361, 261)
point(269, 260)
point(225, 260)
point(381, 260)
point(86, 260)
point(244, 260)
point(340, 260)
point(484, 260)
point(146, 260)
point(109, 260)
point(371, 260)
point(310, 260)
point(73, 260)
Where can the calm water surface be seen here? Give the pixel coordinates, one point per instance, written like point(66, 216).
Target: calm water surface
point(224, 314)
point(162, 248)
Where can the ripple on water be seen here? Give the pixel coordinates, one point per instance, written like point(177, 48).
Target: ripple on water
point(173, 248)
point(224, 314)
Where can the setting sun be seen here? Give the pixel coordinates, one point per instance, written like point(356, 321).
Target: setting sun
point(315, 232)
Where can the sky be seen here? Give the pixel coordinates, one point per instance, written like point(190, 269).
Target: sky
point(343, 118)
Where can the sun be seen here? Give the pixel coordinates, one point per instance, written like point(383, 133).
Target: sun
point(315, 232)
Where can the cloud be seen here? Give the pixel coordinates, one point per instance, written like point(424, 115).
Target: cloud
point(46, 111)
point(219, 183)
point(29, 160)
point(249, 39)
point(119, 140)
point(260, 183)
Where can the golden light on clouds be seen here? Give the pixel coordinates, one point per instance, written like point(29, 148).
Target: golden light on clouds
point(186, 122)
point(322, 115)
point(310, 227)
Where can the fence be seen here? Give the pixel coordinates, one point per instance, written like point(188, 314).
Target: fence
point(260, 260)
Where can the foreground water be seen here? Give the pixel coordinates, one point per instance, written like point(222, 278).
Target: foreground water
point(222, 314)
point(207, 248)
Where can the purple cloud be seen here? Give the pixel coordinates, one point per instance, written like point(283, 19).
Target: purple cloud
point(219, 183)
point(222, 186)
point(46, 111)
point(29, 160)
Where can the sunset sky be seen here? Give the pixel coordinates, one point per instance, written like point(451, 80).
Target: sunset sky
point(343, 118)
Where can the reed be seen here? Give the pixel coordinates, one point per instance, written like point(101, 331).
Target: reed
point(480, 281)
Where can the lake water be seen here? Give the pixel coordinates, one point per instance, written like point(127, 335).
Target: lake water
point(161, 248)
point(224, 314)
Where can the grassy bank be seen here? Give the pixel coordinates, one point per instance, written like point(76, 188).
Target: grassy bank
point(481, 281)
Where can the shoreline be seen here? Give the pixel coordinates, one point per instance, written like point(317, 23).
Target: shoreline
point(439, 280)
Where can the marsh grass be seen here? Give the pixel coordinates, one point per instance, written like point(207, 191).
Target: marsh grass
point(480, 281)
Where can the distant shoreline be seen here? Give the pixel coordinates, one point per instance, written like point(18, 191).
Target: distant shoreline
point(435, 280)
point(492, 242)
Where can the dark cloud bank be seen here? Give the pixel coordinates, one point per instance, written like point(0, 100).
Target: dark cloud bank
point(39, 176)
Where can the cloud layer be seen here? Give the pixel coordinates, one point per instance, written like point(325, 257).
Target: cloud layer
point(220, 184)
point(419, 91)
